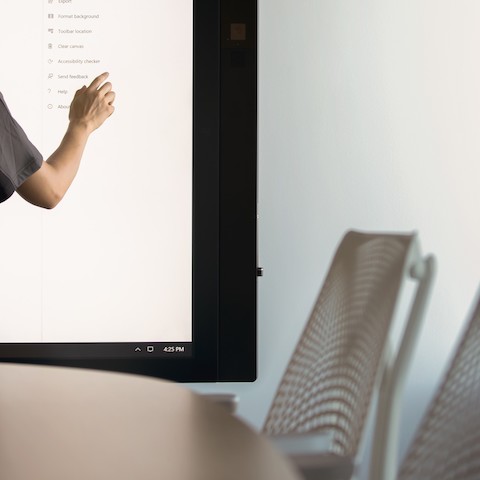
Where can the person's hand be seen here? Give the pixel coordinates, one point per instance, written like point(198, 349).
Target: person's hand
point(92, 105)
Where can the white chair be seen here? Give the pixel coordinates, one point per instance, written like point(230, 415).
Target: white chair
point(319, 412)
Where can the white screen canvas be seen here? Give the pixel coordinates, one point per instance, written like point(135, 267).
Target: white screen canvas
point(112, 262)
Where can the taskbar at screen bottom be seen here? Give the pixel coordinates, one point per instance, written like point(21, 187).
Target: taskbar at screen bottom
point(140, 350)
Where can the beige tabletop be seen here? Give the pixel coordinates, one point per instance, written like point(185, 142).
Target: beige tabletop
point(70, 424)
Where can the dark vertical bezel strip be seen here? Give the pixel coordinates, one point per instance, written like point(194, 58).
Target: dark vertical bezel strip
point(238, 193)
point(206, 159)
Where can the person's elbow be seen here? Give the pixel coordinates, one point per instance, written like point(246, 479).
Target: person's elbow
point(44, 199)
point(50, 200)
point(43, 189)
point(41, 192)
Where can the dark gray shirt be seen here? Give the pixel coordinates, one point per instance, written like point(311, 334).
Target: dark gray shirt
point(18, 156)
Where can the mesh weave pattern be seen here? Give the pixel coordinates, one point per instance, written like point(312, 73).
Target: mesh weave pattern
point(328, 383)
point(447, 444)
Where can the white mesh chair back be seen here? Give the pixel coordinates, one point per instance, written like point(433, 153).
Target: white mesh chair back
point(329, 381)
point(447, 444)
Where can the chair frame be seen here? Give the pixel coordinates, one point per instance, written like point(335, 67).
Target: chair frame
point(384, 456)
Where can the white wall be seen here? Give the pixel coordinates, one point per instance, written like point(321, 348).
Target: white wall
point(369, 118)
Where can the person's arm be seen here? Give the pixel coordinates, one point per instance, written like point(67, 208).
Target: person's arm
point(90, 107)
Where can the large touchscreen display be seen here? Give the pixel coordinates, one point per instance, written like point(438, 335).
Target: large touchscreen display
point(113, 261)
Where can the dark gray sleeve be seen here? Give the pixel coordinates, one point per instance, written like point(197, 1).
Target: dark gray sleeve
point(18, 156)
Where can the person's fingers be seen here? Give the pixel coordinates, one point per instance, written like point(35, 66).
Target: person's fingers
point(98, 81)
point(105, 88)
point(110, 97)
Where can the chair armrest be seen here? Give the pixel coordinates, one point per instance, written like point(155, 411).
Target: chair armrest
point(311, 454)
point(229, 401)
point(328, 466)
point(303, 443)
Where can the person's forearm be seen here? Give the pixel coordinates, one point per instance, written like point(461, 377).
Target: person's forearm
point(90, 107)
point(48, 186)
point(64, 162)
